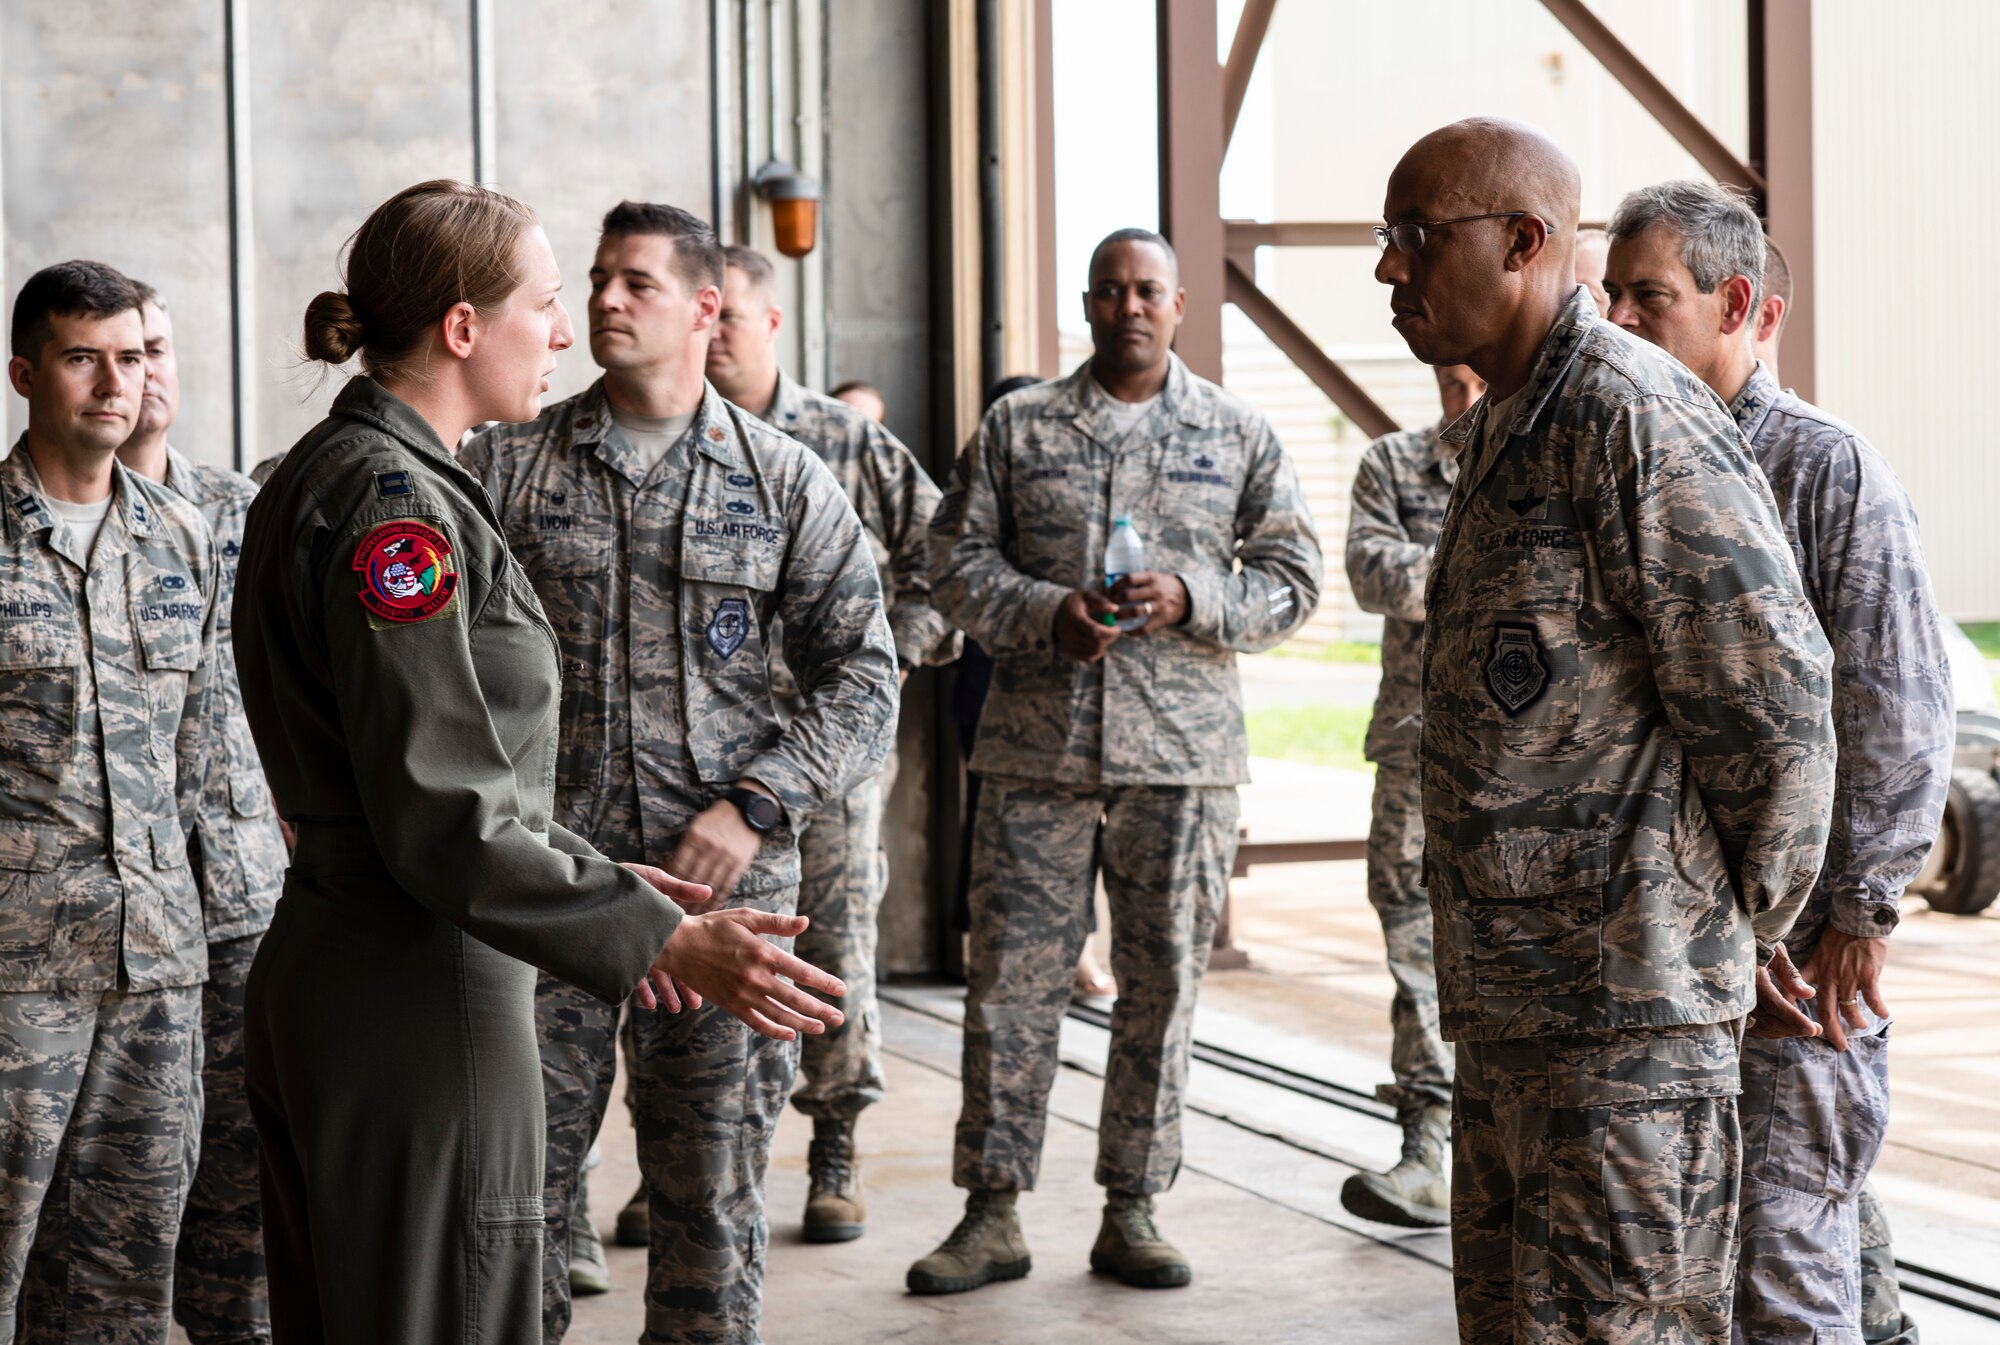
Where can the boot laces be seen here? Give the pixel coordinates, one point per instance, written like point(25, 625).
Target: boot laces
point(972, 1228)
point(830, 1164)
point(1138, 1220)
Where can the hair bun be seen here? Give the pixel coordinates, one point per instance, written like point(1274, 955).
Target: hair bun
point(334, 331)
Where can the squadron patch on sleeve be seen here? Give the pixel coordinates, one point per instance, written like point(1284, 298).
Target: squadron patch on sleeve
point(407, 572)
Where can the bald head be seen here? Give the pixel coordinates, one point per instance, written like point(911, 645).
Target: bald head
point(1491, 163)
point(1489, 267)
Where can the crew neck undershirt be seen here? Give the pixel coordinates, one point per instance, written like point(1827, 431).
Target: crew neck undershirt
point(85, 520)
point(652, 436)
point(1124, 415)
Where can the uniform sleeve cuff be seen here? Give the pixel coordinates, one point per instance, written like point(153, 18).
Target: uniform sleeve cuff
point(1865, 919)
point(1204, 607)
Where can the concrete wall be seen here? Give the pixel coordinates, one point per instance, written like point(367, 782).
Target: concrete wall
point(879, 329)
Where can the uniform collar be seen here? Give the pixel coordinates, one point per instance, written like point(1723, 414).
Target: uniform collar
point(1443, 459)
point(365, 400)
point(788, 407)
point(714, 431)
point(26, 503)
point(181, 478)
point(1754, 403)
point(1083, 400)
point(1558, 352)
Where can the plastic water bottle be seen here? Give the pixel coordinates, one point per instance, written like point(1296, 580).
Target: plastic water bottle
point(1124, 554)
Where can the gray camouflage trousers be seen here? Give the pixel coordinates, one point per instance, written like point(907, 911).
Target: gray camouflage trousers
point(1594, 1187)
point(220, 1297)
point(844, 874)
point(576, 1036)
point(1813, 1122)
point(1165, 853)
point(1418, 1056)
point(706, 1095)
point(98, 1142)
point(1882, 1319)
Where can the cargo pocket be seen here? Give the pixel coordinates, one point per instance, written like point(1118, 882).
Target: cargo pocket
point(38, 690)
point(26, 849)
point(170, 844)
point(731, 711)
point(1644, 1157)
point(1829, 1112)
point(1535, 912)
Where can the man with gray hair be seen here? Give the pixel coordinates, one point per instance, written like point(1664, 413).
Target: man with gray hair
point(1686, 258)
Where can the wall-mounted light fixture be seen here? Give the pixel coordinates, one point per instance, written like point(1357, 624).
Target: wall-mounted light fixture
point(794, 199)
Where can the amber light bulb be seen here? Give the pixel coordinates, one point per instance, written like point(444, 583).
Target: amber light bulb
point(795, 225)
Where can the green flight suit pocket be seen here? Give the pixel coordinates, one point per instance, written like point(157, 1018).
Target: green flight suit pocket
point(1644, 1156)
point(1535, 912)
point(38, 689)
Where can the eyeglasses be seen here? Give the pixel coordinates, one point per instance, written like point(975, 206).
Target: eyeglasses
point(1410, 237)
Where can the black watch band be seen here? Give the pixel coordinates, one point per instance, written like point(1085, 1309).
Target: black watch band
point(761, 812)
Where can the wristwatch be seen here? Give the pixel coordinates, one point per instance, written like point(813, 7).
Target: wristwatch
point(760, 812)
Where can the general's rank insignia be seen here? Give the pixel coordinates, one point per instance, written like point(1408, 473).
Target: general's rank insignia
point(1516, 673)
point(729, 627)
point(407, 573)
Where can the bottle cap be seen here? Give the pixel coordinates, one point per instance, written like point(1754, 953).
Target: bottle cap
point(1122, 521)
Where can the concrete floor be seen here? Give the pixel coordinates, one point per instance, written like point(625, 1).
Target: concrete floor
point(1253, 1214)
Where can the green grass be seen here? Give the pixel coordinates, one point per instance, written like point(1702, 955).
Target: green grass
point(1337, 651)
point(1318, 735)
point(1986, 635)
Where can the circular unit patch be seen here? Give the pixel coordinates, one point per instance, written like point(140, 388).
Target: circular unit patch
point(406, 570)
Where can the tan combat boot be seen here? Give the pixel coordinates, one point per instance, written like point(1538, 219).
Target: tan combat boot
point(834, 1210)
point(1416, 1192)
point(986, 1246)
point(1129, 1246)
point(588, 1272)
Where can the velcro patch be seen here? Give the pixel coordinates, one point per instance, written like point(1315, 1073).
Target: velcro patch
point(390, 484)
point(407, 573)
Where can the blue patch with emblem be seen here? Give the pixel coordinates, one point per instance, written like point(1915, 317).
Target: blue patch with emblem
point(231, 550)
point(391, 484)
point(1203, 461)
point(729, 627)
point(741, 481)
point(740, 507)
point(173, 583)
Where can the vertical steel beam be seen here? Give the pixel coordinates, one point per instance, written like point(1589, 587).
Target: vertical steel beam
point(1190, 102)
point(485, 100)
point(1243, 50)
point(242, 241)
point(1782, 103)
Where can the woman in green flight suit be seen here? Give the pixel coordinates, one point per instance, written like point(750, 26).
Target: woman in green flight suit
point(402, 685)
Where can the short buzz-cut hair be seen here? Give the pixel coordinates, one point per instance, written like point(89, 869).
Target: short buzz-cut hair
point(66, 290)
point(1137, 235)
point(1720, 234)
point(697, 251)
point(1777, 274)
point(755, 266)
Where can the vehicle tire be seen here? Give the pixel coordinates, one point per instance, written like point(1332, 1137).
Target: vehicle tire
point(1970, 836)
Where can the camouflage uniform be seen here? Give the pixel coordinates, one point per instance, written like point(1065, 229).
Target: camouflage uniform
point(844, 869)
point(665, 589)
point(262, 471)
point(1628, 761)
point(1399, 498)
point(1129, 764)
point(103, 661)
point(1882, 1319)
point(239, 863)
point(1814, 1117)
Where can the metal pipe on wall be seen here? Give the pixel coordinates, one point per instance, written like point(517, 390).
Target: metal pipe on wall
point(242, 289)
point(992, 255)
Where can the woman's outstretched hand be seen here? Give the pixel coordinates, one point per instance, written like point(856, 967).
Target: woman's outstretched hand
point(726, 957)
